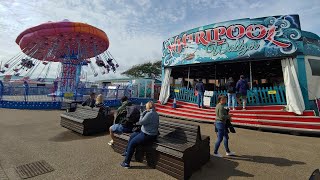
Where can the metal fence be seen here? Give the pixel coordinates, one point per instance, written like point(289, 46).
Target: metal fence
point(45, 97)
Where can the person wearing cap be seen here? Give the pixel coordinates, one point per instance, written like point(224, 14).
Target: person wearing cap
point(242, 87)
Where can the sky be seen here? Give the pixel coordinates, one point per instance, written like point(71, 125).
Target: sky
point(137, 28)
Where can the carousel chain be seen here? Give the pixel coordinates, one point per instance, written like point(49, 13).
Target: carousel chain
point(29, 74)
point(16, 60)
point(90, 64)
point(19, 54)
point(47, 72)
point(111, 56)
point(14, 64)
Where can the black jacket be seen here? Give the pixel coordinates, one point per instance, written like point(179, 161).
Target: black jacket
point(89, 102)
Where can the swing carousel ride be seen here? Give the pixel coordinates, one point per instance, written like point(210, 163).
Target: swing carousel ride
point(71, 44)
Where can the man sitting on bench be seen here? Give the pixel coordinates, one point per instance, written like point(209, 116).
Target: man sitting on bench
point(119, 123)
point(91, 102)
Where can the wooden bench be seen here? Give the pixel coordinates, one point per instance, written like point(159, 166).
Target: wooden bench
point(179, 151)
point(86, 120)
point(72, 105)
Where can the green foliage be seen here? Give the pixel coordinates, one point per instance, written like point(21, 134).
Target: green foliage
point(144, 70)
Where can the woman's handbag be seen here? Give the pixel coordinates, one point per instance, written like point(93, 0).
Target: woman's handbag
point(195, 93)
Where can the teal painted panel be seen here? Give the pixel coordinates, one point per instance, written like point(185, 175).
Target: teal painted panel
point(273, 36)
point(302, 78)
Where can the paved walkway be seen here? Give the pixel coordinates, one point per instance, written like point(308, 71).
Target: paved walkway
point(27, 136)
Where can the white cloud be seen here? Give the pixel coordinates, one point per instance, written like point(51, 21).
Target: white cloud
point(137, 28)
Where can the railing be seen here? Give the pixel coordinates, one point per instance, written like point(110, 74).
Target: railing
point(257, 96)
point(46, 93)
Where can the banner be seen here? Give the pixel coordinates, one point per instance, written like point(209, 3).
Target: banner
point(274, 36)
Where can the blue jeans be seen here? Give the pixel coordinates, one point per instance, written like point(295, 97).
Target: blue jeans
point(222, 134)
point(26, 94)
point(119, 129)
point(231, 99)
point(137, 138)
point(200, 98)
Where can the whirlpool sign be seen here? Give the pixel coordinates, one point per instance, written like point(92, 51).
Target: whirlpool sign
point(273, 36)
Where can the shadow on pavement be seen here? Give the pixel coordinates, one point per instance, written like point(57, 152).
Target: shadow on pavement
point(277, 161)
point(140, 167)
point(72, 136)
point(219, 168)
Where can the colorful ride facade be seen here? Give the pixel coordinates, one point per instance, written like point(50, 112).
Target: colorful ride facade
point(280, 61)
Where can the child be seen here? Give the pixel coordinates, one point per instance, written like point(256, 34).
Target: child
point(221, 119)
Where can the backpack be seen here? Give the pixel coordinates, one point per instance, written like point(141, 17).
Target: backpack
point(230, 87)
point(133, 114)
point(243, 85)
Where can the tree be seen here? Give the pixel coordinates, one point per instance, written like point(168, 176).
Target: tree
point(148, 69)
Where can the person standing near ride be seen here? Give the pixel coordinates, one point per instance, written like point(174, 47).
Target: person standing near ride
point(26, 90)
point(55, 89)
point(1, 90)
point(242, 87)
point(231, 89)
point(222, 117)
point(200, 90)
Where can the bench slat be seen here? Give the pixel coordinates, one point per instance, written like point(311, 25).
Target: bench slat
point(72, 118)
point(178, 133)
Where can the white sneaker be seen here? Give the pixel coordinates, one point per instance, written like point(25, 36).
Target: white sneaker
point(234, 109)
point(217, 155)
point(110, 142)
point(244, 109)
point(230, 153)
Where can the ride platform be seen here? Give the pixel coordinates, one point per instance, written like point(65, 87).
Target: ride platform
point(271, 117)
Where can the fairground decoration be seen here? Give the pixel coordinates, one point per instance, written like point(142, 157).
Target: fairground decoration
point(239, 39)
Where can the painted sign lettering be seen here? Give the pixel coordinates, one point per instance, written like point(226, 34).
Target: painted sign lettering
point(245, 38)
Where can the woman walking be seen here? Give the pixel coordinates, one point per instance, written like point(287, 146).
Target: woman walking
point(149, 119)
point(221, 118)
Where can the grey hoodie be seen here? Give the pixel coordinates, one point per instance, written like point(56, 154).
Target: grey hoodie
point(150, 122)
